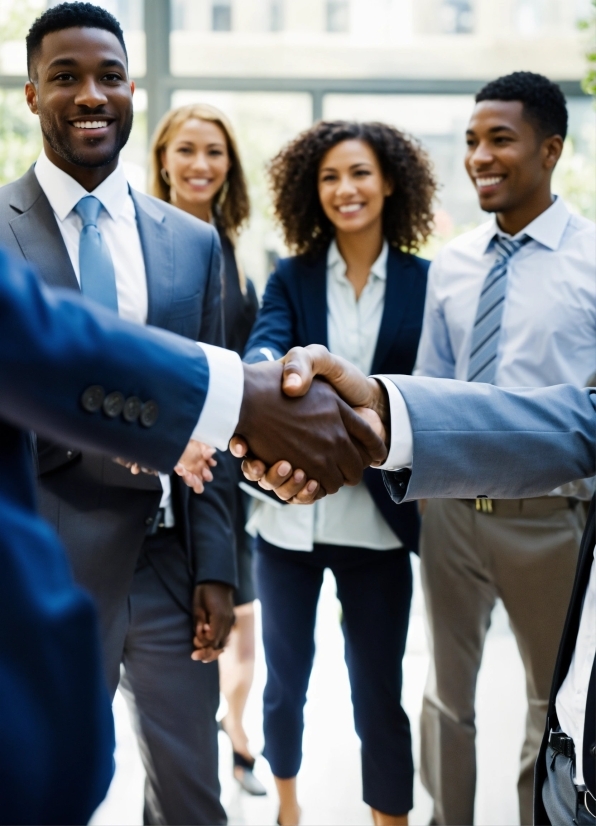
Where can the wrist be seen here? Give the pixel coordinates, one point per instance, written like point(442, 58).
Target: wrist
point(380, 405)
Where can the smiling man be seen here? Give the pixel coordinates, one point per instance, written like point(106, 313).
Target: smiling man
point(157, 558)
point(511, 303)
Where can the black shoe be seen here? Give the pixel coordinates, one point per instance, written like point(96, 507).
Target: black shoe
point(246, 778)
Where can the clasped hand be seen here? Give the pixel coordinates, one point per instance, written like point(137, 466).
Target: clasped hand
point(298, 479)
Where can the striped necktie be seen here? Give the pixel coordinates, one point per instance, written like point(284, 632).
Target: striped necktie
point(487, 326)
point(98, 279)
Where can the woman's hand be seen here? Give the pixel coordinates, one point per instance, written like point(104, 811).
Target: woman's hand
point(195, 464)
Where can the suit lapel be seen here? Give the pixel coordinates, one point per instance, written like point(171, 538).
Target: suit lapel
point(38, 234)
point(157, 243)
point(398, 291)
point(314, 300)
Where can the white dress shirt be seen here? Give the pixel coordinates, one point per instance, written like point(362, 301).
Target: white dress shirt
point(573, 694)
point(548, 329)
point(349, 517)
point(118, 226)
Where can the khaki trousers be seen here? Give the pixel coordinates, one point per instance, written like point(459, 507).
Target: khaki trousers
point(524, 552)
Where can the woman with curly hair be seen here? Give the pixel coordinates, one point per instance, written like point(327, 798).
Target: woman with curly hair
point(354, 201)
point(195, 165)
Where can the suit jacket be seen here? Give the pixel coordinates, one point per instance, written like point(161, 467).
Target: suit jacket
point(294, 313)
point(99, 508)
point(474, 439)
point(56, 729)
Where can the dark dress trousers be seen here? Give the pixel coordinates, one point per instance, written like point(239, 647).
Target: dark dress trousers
point(374, 587)
point(101, 511)
point(56, 728)
point(294, 313)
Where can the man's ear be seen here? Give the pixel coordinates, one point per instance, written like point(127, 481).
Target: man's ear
point(31, 97)
point(551, 151)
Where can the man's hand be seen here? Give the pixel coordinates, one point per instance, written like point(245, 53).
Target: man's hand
point(315, 431)
point(301, 365)
point(195, 465)
point(213, 614)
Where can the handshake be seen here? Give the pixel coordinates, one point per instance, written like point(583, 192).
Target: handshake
point(309, 423)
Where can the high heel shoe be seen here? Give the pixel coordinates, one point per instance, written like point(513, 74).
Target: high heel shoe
point(245, 776)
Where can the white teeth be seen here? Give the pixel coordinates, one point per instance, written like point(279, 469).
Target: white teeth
point(489, 181)
point(198, 181)
point(91, 124)
point(350, 208)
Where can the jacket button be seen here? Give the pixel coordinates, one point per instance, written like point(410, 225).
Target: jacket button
point(132, 409)
point(149, 413)
point(113, 404)
point(92, 398)
point(69, 454)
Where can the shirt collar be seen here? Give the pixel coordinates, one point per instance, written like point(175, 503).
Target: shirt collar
point(64, 193)
point(547, 229)
point(337, 266)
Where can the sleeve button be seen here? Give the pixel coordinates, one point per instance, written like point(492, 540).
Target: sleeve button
point(132, 409)
point(149, 413)
point(113, 404)
point(92, 398)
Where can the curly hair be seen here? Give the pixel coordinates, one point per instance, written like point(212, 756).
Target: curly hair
point(231, 206)
point(293, 174)
point(543, 101)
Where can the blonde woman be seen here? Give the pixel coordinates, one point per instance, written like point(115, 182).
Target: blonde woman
point(195, 165)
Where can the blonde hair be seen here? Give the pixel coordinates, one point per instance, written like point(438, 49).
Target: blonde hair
point(231, 205)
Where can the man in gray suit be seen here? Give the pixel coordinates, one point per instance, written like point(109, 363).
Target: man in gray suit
point(157, 558)
point(459, 440)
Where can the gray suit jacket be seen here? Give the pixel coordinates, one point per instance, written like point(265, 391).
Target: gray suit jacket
point(478, 440)
point(100, 509)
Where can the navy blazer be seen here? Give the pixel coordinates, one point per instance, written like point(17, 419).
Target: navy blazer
point(294, 313)
point(56, 729)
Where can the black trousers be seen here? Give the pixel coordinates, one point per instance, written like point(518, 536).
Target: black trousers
point(375, 590)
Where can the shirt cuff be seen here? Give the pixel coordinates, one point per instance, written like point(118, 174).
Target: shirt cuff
point(401, 448)
point(221, 411)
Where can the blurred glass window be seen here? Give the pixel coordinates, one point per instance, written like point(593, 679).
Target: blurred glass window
point(338, 16)
point(456, 17)
point(221, 17)
point(276, 16)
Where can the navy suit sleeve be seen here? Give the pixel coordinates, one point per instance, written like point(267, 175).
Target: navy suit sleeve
point(274, 327)
point(54, 347)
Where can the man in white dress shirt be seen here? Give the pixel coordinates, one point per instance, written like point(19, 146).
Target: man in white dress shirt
point(512, 303)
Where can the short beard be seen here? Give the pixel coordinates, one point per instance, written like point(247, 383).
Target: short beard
point(67, 153)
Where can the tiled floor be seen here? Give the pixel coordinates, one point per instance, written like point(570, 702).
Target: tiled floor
point(329, 783)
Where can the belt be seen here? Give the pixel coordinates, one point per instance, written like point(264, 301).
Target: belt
point(156, 525)
point(560, 743)
point(536, 506)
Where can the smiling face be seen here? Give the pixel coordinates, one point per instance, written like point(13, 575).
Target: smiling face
point(509, 163)
point(83, 97)
point(197, 161)
point(351, 187)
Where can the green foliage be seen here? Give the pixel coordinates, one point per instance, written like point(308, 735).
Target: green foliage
point(589, 27)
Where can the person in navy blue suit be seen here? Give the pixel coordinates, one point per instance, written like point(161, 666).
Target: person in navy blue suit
point(354, 202)
point(58, 357)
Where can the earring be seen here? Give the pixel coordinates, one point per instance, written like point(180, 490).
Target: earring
point(165, 175)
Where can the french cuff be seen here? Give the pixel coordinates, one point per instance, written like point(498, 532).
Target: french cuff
point(221, 411)
point(402, 441)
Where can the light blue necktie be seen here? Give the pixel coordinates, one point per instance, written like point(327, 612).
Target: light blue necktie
point(485, 338)
point(98, 280)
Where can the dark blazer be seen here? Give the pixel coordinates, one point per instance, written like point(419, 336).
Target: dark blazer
point(99, 508)
point(294, 313)
point(566, 649)
point(56, 728)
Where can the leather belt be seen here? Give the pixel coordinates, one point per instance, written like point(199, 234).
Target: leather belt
point(157, 524)
point(561, 743)
point(536, 506)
